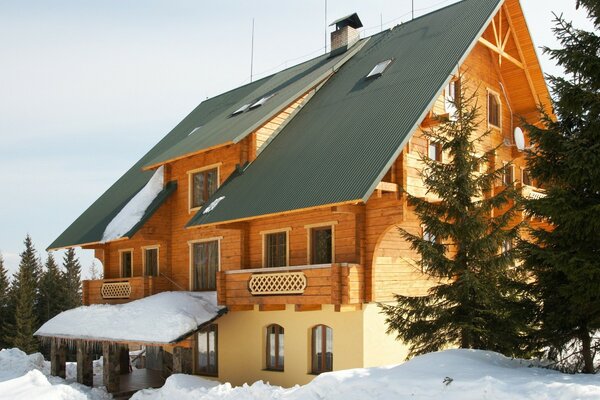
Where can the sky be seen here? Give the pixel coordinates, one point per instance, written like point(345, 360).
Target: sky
point(88, 87)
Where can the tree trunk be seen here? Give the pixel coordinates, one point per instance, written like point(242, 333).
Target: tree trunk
point(586, 351)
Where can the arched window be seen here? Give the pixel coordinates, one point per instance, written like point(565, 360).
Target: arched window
point(275, 347)
point(322, 349)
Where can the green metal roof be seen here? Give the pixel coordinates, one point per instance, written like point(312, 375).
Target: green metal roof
point(342, 142)
point(220, 127)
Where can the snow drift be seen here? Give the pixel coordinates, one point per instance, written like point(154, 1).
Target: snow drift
point(448, 375)
point(161, 318)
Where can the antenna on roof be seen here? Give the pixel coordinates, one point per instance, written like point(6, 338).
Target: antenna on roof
point(252, 52)
point(325, 26)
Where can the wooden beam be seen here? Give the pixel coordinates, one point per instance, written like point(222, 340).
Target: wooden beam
point(501, 52)
point(271, 307)
point(308, 307)
point(520, 51)
point(387, 187)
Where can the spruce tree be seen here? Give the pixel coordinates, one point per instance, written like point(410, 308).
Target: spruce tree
point(72, 280)
point(476, 301)
point(24, 292)
point(565, 160)
point(51, 291)
point(4, 302)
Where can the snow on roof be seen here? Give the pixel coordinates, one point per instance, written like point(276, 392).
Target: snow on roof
point(134, 210)
point(161, 318)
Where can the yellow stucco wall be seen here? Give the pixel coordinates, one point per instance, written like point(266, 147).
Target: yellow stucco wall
point(359, 340)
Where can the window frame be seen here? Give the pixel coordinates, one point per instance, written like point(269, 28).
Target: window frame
point(121, 252)
point(146, 248)
point(319, 369)
point(207, 330)
point(505, 168)
point(450, 101)
point(191, 244)
point(287, 245)
point(496, 95)
point(310, 241)
point(191, 174)
point(438, 149)
point(525, 174)
point(278, 330)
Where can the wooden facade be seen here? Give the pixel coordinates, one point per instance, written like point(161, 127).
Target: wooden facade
point(370, 261)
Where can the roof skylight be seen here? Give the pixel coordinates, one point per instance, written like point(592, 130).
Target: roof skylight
point(241, 109)
point(378, 70)
point(261, 101)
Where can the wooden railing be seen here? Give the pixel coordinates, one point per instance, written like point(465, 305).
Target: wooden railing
point(336, 284)
point(531, 192)
point(122, 290)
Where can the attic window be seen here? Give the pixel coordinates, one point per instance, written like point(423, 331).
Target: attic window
point(261, 101)
point(379, 69)
point(241, 109)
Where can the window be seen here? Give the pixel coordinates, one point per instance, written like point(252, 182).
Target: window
point(275, 347)
point(240, 110)
point(434, 151)
point(207, 355)
point(525, 177)
point(203, 185)
point(205, 264)
point(275, 249)
point(430, 237)
point(493, 109)
point(126, 264)
point(321, 245)
point(378, 70)
point(508, 174)
point(261, 101)
point(322, 349)
point(450, 98)
point(151, 261)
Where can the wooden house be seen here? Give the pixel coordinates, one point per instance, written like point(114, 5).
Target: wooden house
point(284, 195)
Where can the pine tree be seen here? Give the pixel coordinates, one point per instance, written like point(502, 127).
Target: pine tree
point(4, 302)
point(476, 300)
point(565, 160)
point(95, 272)
point(24, 292)
point(72, 280)
point(51, 286)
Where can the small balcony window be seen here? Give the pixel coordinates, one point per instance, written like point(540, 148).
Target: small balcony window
point(434, 151)
point(508, 175)
point(525, 177)
point(321, 245)
point(275, 249)
point(151, 261)
point(493, 109)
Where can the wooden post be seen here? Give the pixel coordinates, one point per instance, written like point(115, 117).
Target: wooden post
point(58, 358)
point(167, 363)
point(182, 360)
point(124, 358)
point(85, 368)
point(111, 367)
point(85, 293)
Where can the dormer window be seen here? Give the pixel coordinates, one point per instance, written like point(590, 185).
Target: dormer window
point(203, 183)
point(379, 69)
point(260, 102)
point(240, 110)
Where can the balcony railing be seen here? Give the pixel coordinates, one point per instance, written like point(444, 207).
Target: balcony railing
point(531, 192)
point(307, 284)
point(122, 290)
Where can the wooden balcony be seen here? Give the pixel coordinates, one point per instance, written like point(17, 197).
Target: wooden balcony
point(305, 286)
point(122, 290)
point(531, 192)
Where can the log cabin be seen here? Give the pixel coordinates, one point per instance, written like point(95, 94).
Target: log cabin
point(282, 199)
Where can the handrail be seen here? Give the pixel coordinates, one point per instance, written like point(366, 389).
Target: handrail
point(172, 281)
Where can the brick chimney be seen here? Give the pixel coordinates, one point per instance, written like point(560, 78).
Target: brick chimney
point(345, 34)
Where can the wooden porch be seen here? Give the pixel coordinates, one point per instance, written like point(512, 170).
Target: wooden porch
point(122, 290)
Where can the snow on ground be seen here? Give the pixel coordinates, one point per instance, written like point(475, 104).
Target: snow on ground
point(134, 210)
point(447, 375)
point(26, 377)
point(161, 318)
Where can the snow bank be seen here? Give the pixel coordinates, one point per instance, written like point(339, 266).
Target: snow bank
point(134, 210)
point(160, 318)
point(26, 377)
point(448, 375)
